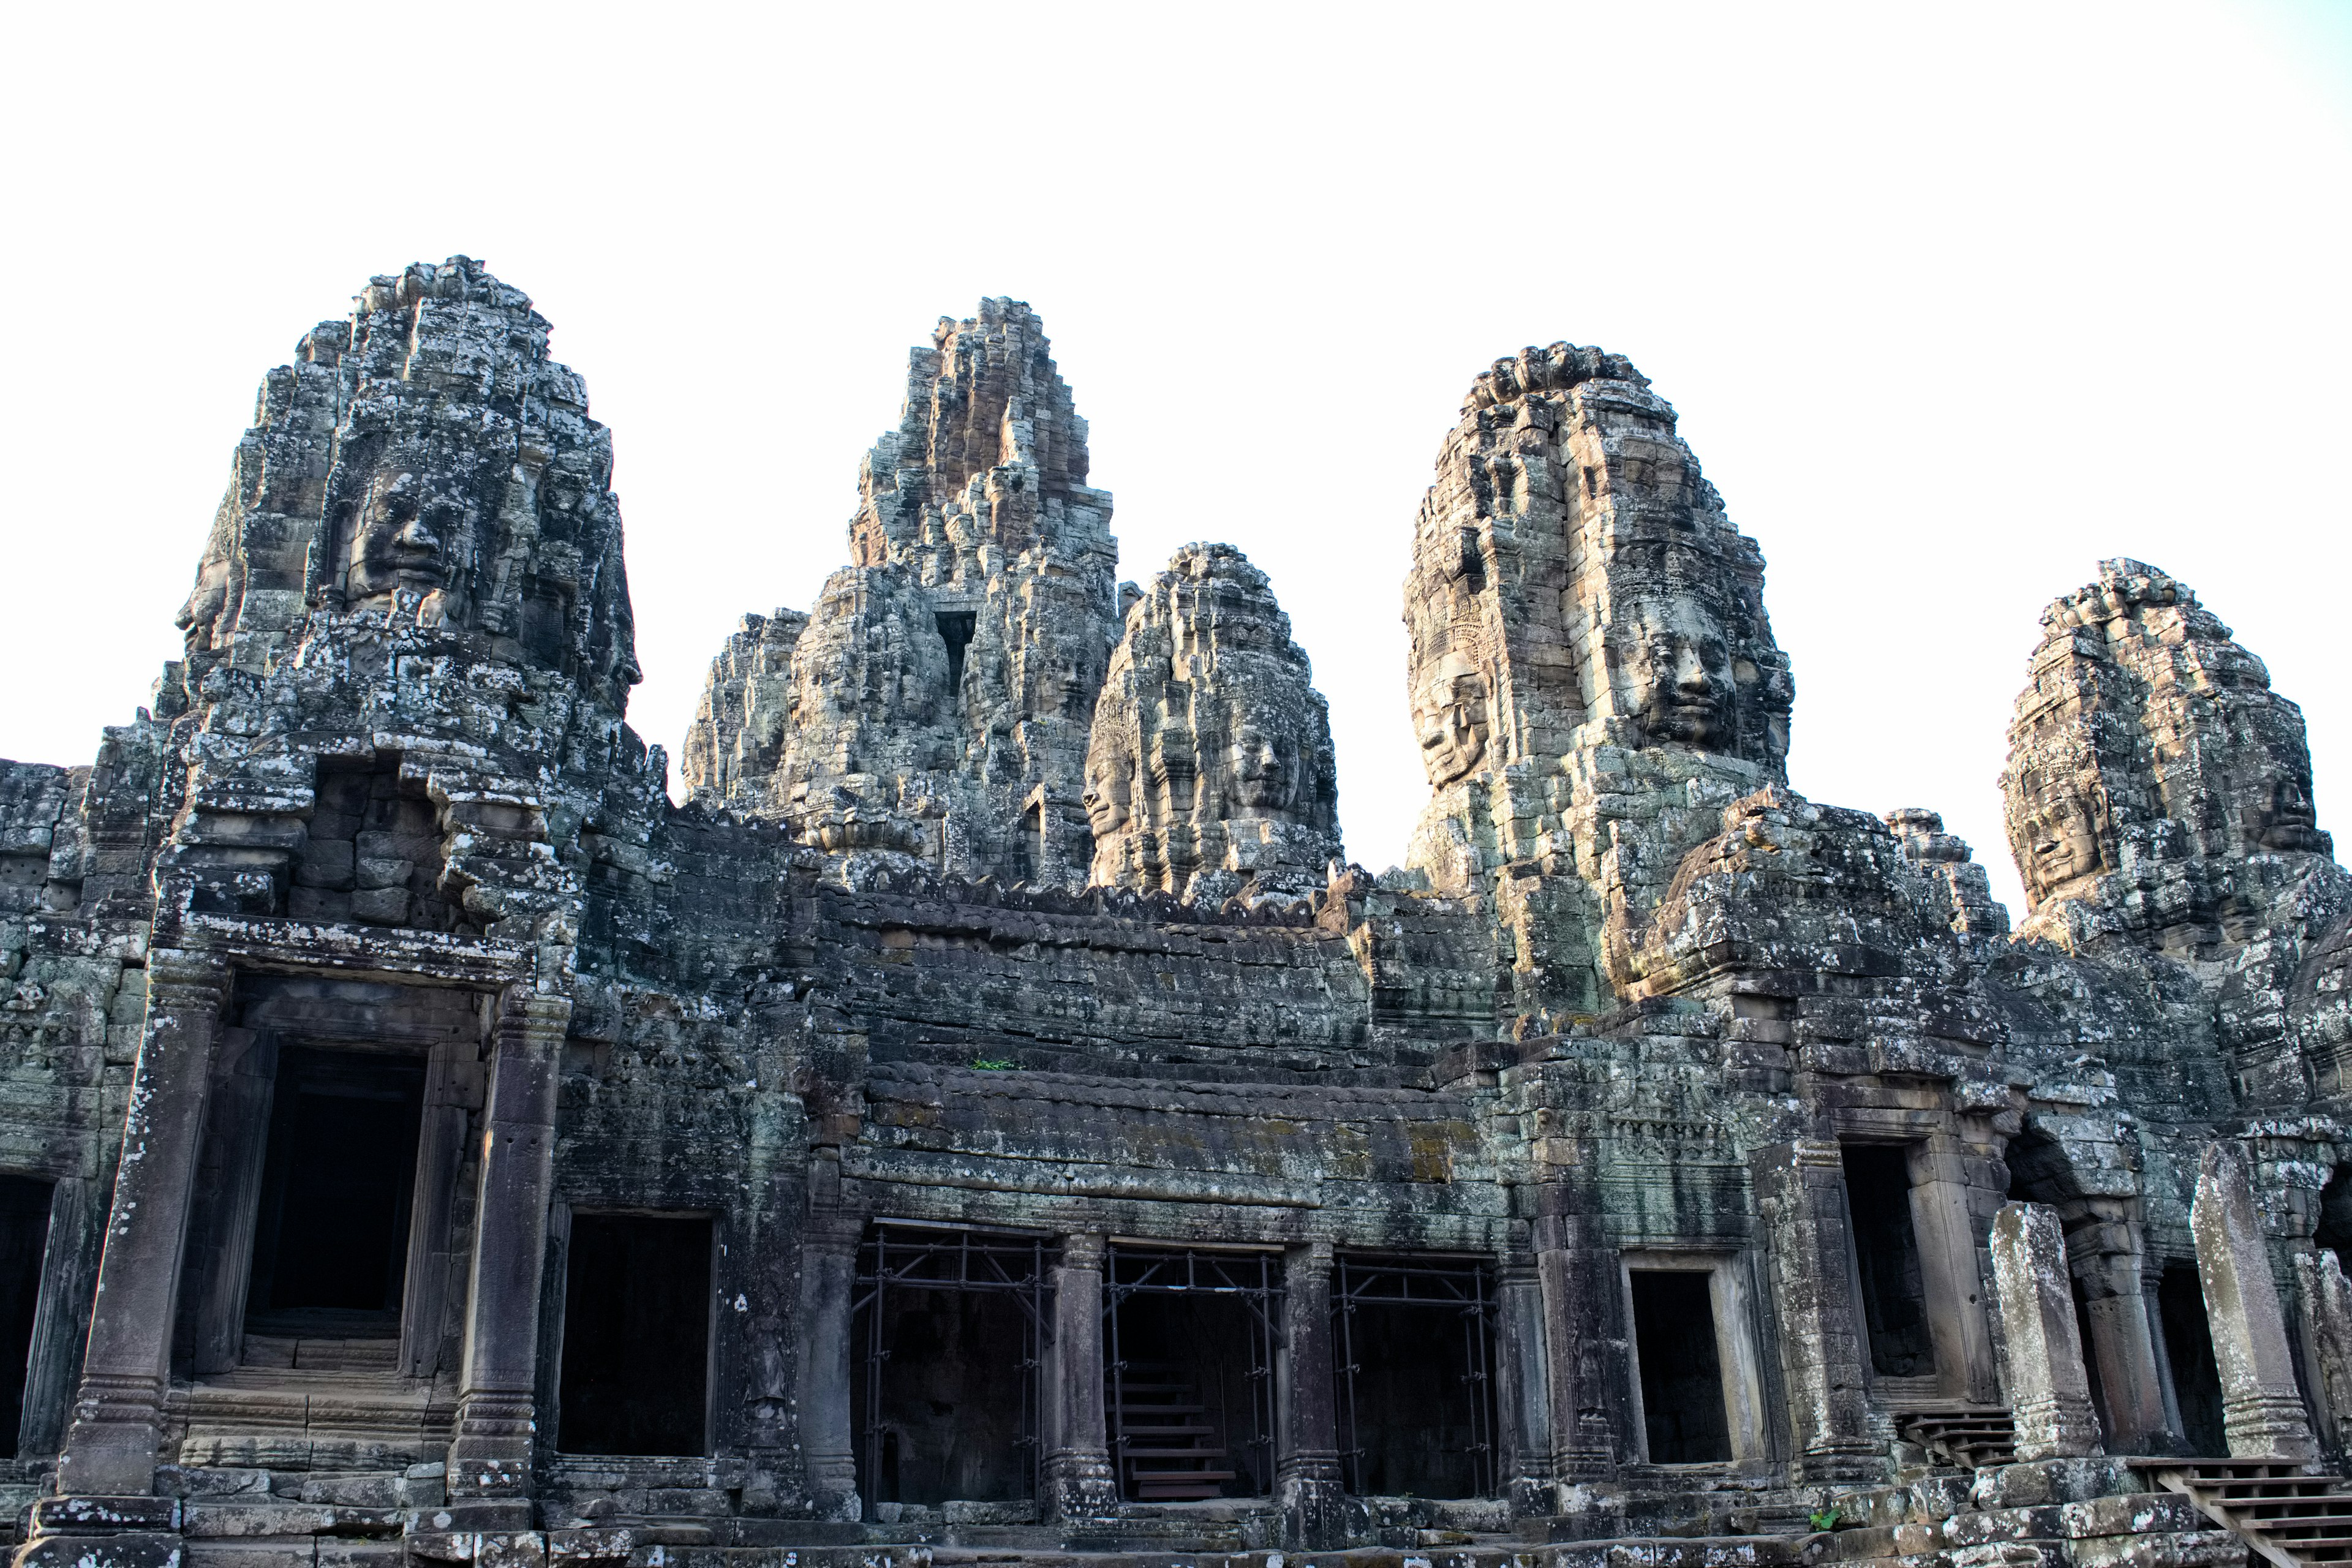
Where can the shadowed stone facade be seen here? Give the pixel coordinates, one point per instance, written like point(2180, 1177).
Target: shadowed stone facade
point(991, 1118)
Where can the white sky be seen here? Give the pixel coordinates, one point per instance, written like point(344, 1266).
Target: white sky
point(1954, 301)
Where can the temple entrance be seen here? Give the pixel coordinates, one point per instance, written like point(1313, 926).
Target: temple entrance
point(1189, 1349)
point(1412, 1341)
point(2334, 1232)
point(1886, 1259)
point(331, 1240)
point(1683, 1409)
point(2188, 1346)
point(636, 1335)
point(943, 1399)
point(23, 1242)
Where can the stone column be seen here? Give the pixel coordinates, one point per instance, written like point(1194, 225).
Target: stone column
point(1945, 1220)
point(2049, 1391)
point(1583, 1331)
point(2327, 1307)
point(1308, 1489)
point(2261, 1407)
point(489, 1456)
point(111, 1449)
point(1080, 1481)
point(828, 1297)
point(1523, 1411)
point(1822, 1353)
point(2105, 1253)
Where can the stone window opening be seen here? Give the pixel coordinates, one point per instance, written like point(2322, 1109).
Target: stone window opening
point(956, 628)
point(374, 851)
point(634, 1366)
point(1414, 1346)
point(2189, 1350)
point(948, 1335)
point(1188, 1364)
point(23, 1244)
point(1887, 1266)
point(1029, 844)
point(331, 1237)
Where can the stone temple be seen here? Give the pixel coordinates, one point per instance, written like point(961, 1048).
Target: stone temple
point(991, 1120)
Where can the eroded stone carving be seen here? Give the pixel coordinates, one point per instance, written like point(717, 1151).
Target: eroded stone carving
point(941, 692)
point(2156, 786)
point(1210, 770)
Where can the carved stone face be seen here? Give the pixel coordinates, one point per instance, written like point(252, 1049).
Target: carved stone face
point(1678, 670)
point(207, 600)
point(1450, 715)
point(408, 531)
point(1108, 795)
point(1265, 776)
point(2290, 823)
point(2062, 841)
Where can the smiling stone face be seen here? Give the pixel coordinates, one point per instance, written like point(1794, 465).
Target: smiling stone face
point(2060, 840)
point(411, 523)
point(1109, 791)
point(1675, 666)
point(1450, 718)
point(1265, 769)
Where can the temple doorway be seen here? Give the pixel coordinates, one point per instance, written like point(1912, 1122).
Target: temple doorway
point(948, 1329)
point(330, 1239)
point(636, 1335)
point(1189, 1346)
point(23, 1242)
point(2188, 1347)
point(1886, 1260)
point(1684, 1415)
point(1412, 1339)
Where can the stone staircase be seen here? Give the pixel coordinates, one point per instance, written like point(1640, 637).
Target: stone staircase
point(1966, 1436)
point(1167, 1449)
point(2284, 1515)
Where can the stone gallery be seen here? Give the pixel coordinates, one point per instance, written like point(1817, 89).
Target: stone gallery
point(991, 1118)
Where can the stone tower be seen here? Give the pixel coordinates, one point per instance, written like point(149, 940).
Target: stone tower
point(1211, 770)
point(941, 692)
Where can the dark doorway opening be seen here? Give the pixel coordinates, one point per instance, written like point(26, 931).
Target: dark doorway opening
point(955, 629)
point(2188, 1346)
point(944, 1398)
point(1413, 1342)
point(1886, 1257)
point(636, 1335)
point(330, 1243)
point(2334, 1232)
point(1190, 1372)
point(23, 1242)
point(1682, 1373)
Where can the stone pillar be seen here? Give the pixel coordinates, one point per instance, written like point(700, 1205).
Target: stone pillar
point(1945, 1220)
point(111, 1449)
point(1822, 1353)
point(489, 1456)
point(2261, 1407)
point(1523, 1393)
point(2327, 1307)
point(828, 1297)
point(2105, 1253)
point(1308, 1489)
point(2049, 1391)
point(1080, 1481)
point(1583, 1329)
